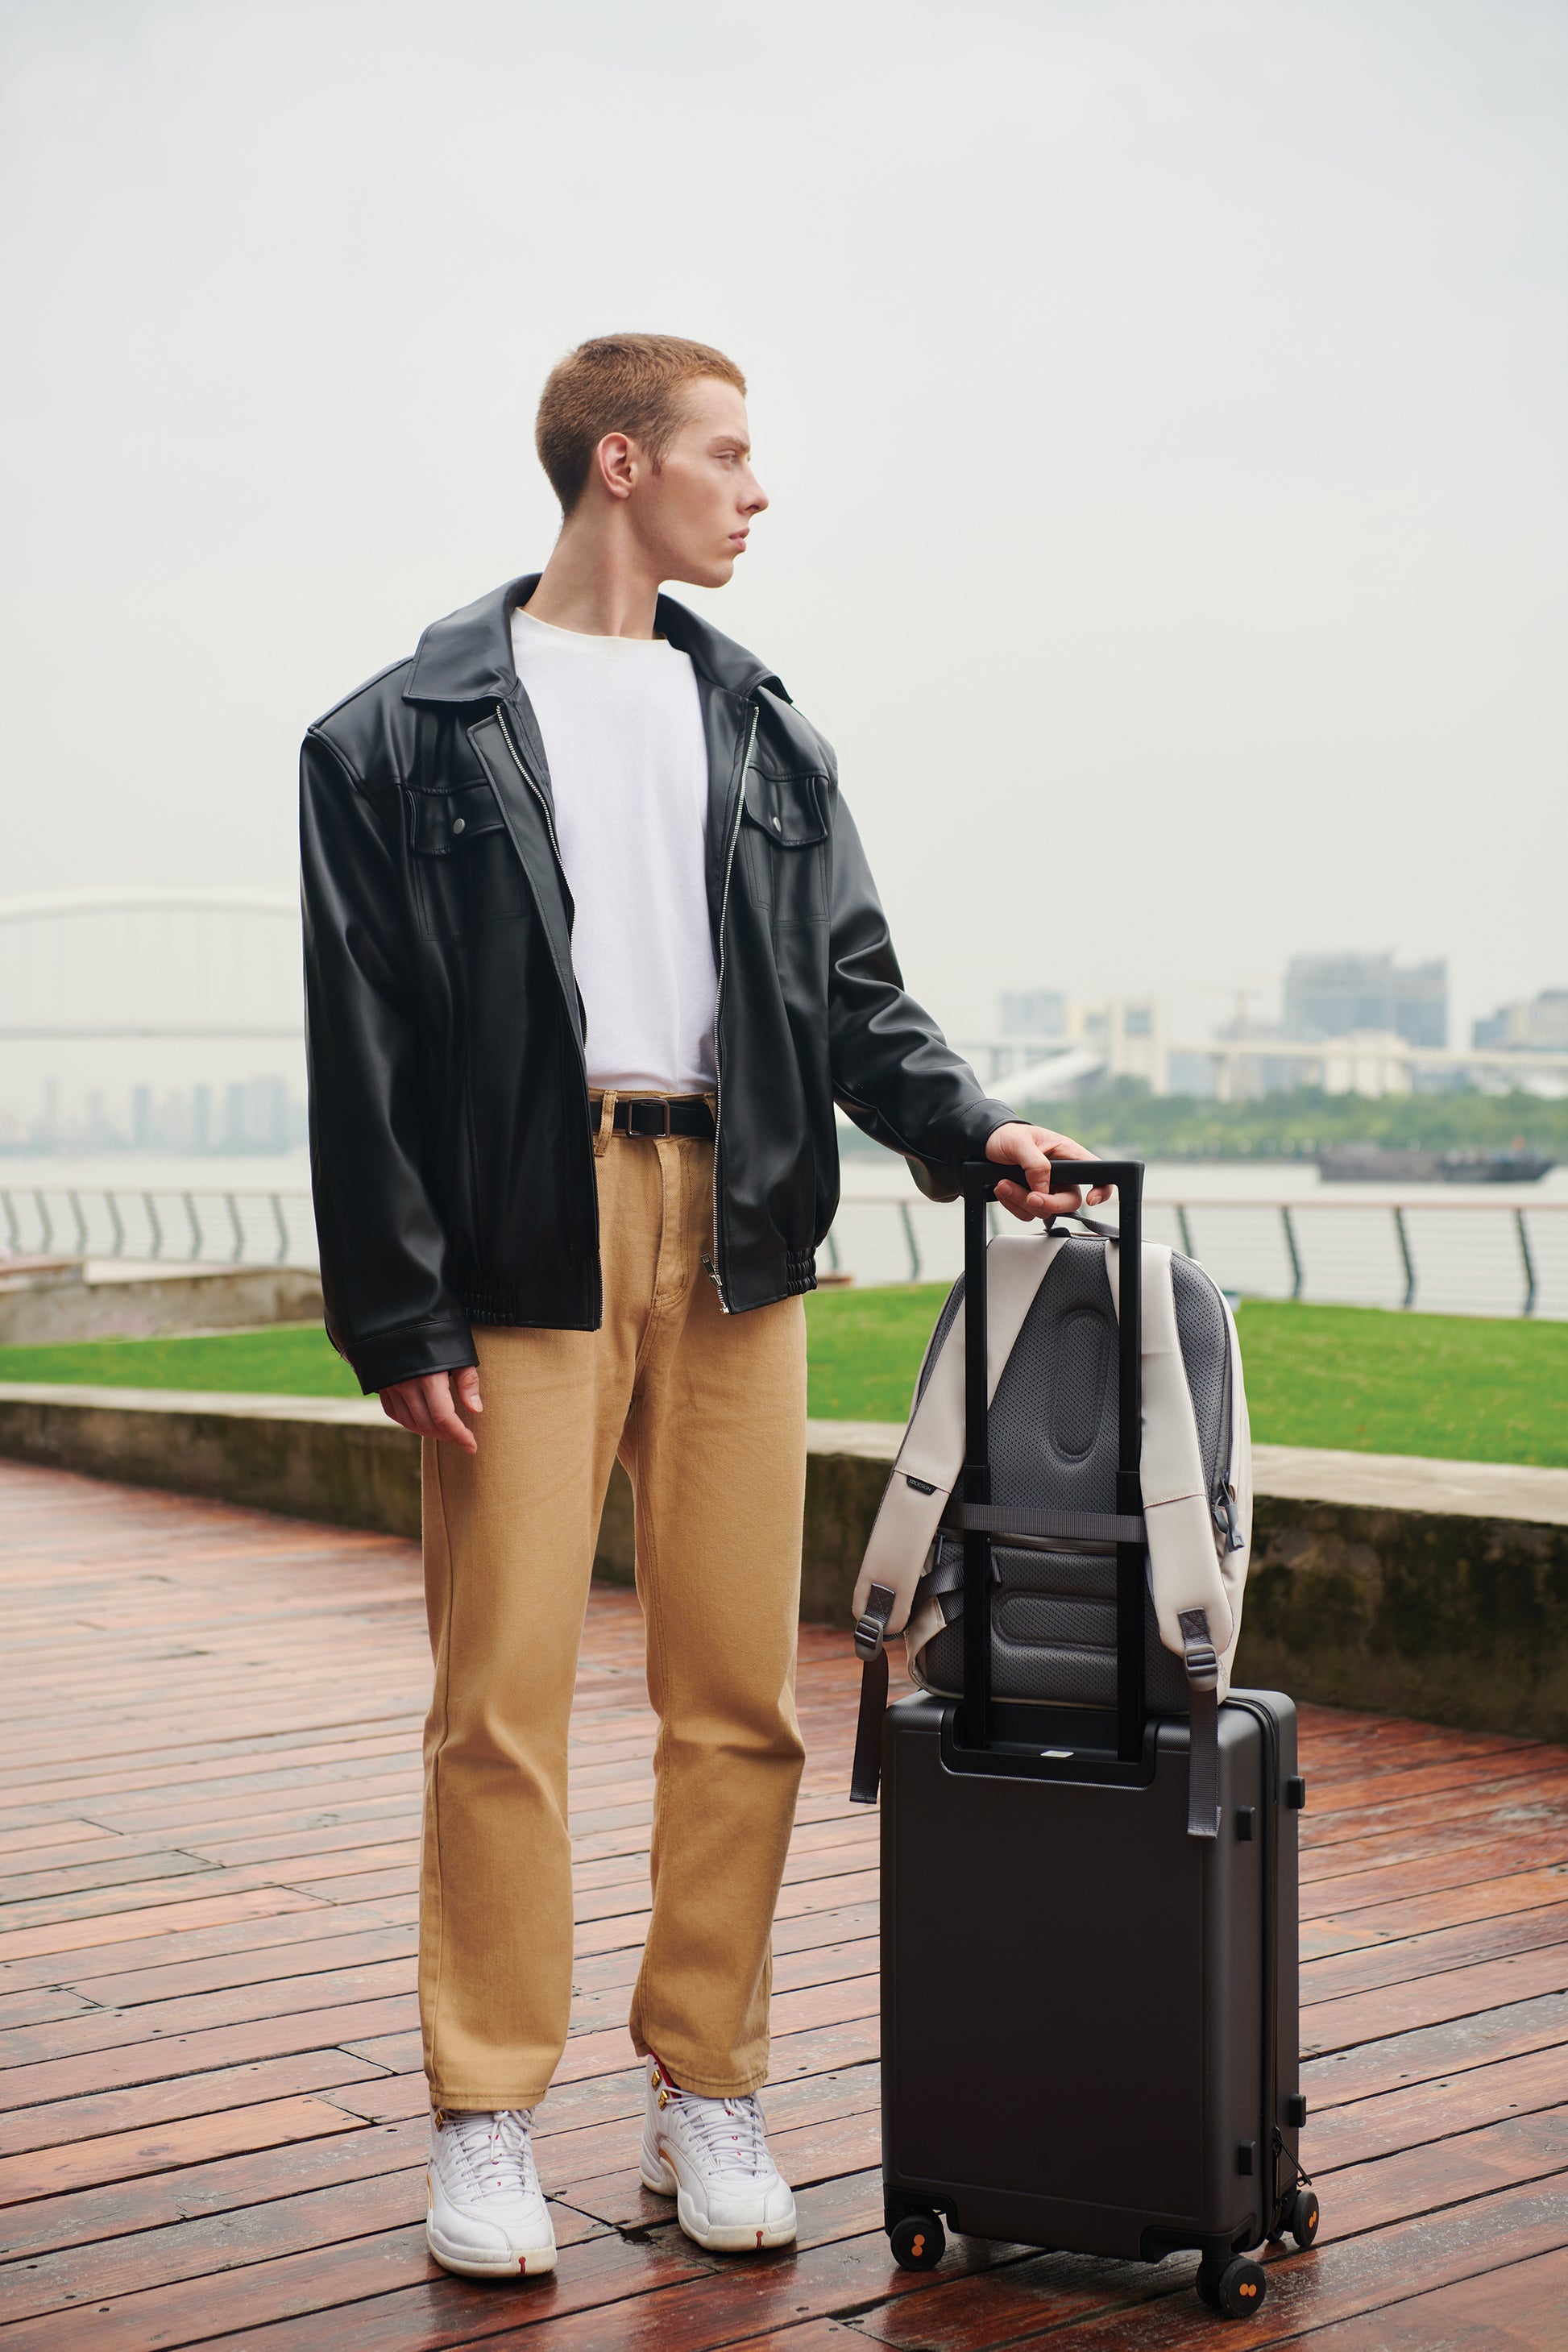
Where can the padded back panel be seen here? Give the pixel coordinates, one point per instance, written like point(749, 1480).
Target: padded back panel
point(1053, 1445)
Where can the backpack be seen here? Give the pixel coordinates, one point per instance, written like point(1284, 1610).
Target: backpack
point(1052, 1362)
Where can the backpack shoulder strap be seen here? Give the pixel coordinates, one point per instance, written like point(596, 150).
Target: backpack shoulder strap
point(1192, 1606)
point(922, 1479)
point(932, 1455)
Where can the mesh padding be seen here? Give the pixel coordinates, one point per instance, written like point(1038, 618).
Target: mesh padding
point(1081, 1576)
point(1053, 1418)
point(1075, 1677)
point(1050, 1620)
point(1205, 1355)
point(1082, 1676)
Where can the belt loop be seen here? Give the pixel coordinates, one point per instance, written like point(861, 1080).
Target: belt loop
point(606, 1126)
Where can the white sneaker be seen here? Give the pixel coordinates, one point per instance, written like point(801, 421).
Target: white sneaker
point(711, 2156)
point(488, 2217)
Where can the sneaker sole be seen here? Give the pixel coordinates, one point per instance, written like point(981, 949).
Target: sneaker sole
point(536, 2261)
point(664, 2181)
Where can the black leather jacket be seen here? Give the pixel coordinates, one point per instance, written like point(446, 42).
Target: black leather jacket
point(451, 1144)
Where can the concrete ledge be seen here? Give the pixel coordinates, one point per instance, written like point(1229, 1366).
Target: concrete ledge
point(1431, 1589)
point(1409, 1481)
point(333, 1458)
point(341, 1460)
point(60, 1306)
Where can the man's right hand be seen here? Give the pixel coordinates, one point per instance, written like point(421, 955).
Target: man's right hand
point(428, 1406)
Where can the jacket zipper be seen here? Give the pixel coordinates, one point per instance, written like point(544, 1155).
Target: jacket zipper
point(711, 1269)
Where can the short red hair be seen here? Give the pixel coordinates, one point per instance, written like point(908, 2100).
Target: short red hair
point(618, 384)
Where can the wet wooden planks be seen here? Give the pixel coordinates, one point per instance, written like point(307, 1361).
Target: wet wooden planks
point(211, 2112)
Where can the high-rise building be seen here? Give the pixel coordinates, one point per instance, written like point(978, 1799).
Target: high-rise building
point(1340, 995)
point(1036, 1012)
point(1539, 1022)
point(266, 1112)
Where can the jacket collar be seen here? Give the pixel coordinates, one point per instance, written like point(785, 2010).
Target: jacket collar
point(466, 657)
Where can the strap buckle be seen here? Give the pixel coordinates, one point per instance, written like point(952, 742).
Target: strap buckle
point(1198, 1652)
point(659, 1105)
point(871, 1628)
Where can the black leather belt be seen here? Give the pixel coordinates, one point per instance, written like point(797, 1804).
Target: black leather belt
point(645, 1116)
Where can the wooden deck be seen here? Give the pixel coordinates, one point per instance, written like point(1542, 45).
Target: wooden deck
point(211, 2116)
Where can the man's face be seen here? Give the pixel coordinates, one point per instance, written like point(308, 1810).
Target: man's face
point(692, 515)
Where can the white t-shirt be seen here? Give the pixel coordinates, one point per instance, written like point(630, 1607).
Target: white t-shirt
point(622, 724)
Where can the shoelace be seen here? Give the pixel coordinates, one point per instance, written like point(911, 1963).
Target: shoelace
point(495, 2152)
point(731, 2133)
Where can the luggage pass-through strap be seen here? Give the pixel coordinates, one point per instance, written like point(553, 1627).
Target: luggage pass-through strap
point(1064, 1527)
point(1203, 1725)
point(866, 1773)
point(871, 1649)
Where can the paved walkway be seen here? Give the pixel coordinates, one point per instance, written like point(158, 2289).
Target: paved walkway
point(211, 2120)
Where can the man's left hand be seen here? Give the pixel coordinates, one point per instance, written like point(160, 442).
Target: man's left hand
point(1033, 1149)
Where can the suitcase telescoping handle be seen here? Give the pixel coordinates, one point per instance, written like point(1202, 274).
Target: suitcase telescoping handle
point(980, 1180)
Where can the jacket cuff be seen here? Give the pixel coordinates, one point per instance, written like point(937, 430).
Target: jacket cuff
point(443, 1344)
point(974, 1127)
point(981, 1122)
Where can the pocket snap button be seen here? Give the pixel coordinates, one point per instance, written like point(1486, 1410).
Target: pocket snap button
point(459, 822)
point(778, 826)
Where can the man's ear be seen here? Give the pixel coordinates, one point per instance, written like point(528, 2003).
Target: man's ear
point(617, 460)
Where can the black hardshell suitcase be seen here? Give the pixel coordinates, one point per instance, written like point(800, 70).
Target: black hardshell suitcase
point(1089, 2034)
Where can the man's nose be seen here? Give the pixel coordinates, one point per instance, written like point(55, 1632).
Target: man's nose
point(758, 498)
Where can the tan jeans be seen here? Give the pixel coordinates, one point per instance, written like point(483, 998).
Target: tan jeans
point(708, 1413)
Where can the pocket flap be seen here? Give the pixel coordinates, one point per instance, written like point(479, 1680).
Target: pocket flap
point(443, 822)
point(789, 808)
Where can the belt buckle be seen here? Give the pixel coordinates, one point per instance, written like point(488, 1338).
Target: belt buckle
point(659, 1103)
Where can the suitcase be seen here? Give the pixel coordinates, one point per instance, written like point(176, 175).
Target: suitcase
point(1089, 2028)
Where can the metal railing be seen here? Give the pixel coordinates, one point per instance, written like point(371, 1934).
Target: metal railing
point(1443, 1255)
point(170, 1225)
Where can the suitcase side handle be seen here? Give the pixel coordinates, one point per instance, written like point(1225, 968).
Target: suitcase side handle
point(978, 1182)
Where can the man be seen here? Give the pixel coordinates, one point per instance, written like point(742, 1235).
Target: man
point(591, 952)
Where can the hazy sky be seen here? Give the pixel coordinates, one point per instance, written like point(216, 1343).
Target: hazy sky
point(1162, 401)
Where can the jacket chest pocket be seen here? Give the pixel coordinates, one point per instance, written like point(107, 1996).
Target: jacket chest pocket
point(783, 845)
point(467, 876)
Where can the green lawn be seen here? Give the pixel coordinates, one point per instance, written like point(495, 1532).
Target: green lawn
point(1377, 1383)
point(865, 1348)
point(1470, 1388)
point(1465, 1387)
point(286, 1360)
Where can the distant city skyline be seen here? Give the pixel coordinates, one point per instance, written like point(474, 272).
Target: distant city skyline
point(116, 964)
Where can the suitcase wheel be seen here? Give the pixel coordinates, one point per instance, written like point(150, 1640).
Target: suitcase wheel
point(1235, 2286)
point(919, 2241)
point(1302, 2216)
